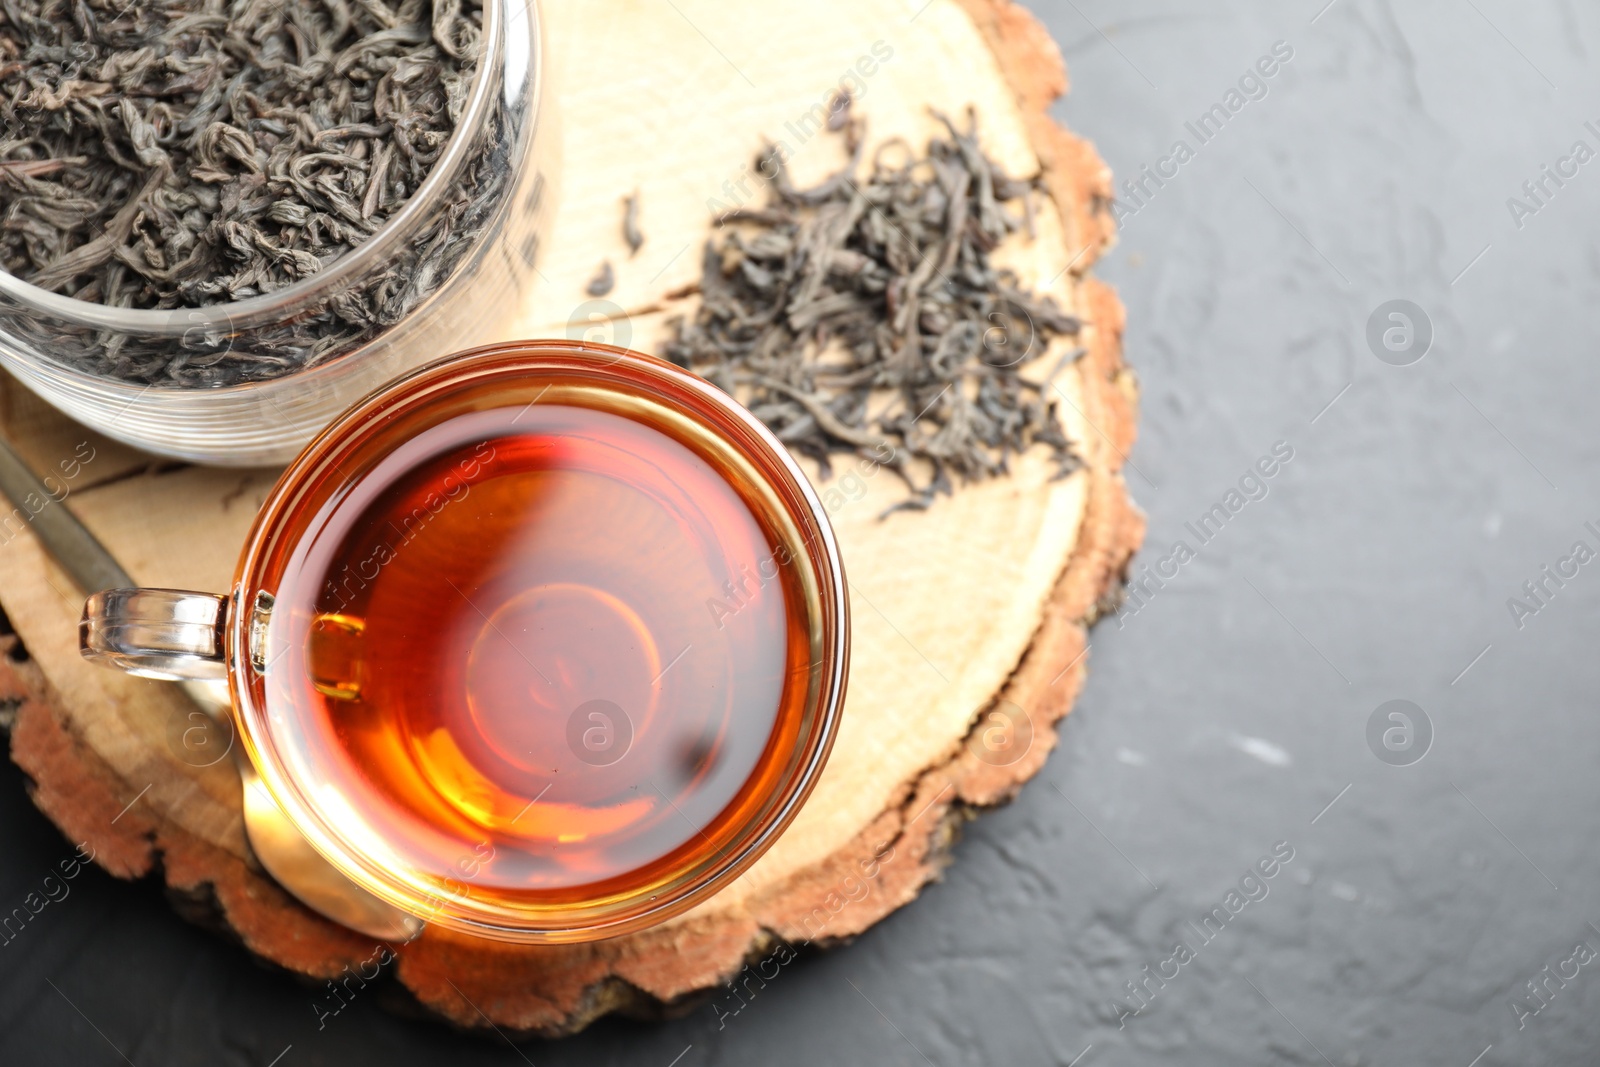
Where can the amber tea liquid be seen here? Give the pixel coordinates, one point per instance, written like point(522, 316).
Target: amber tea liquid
point(542, 648)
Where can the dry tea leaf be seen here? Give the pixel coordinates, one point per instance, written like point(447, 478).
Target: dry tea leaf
point(604, 280)
point(865, 316)
point(185, 153)
point(630, 224)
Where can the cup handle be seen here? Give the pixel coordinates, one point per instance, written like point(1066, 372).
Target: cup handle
point(156, 633)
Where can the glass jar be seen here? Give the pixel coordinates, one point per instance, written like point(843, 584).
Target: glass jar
point(450, 270)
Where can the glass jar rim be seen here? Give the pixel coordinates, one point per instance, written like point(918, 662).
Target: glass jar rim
point(269, 307)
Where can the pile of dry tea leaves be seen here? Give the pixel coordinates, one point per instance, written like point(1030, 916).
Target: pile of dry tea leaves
point(181, 153)
point(828, 300)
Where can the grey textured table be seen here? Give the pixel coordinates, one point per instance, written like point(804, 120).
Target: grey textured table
point(1228, 716)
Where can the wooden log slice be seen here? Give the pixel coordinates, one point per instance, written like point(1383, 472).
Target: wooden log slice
point(968, 619)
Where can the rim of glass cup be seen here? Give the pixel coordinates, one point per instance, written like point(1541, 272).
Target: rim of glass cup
point(745, 848)
point(271, 307)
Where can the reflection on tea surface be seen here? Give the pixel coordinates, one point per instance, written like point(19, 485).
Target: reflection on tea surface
point(549, 640)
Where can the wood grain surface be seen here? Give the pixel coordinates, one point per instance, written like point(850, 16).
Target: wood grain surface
point(975, 609)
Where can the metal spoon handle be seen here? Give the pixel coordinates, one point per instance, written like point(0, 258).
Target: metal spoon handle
point(85, 559)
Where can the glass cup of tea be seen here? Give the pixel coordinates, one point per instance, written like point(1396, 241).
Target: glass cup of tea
point(545, 642)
